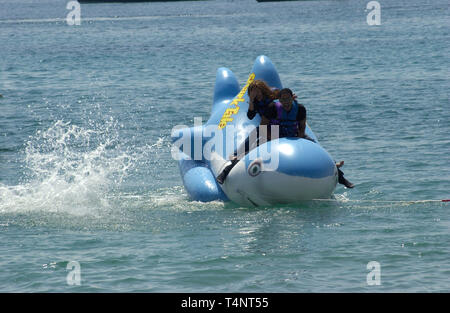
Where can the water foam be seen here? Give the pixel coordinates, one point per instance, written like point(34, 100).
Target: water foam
point(70, 169)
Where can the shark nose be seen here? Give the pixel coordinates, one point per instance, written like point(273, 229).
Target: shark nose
point(297, 170)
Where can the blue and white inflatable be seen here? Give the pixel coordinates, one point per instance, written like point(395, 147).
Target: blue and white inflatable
point(280, 171)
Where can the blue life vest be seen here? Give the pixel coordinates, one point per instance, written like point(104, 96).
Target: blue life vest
point(287, 120)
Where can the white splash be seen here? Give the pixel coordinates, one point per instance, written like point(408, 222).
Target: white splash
point(68, 169)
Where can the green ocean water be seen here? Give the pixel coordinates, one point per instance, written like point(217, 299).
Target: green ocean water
point(86, 172)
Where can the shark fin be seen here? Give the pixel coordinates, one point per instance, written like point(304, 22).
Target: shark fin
point(226, 86)
point(266, 71)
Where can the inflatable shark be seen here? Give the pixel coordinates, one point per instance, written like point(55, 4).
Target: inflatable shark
point(280, 171)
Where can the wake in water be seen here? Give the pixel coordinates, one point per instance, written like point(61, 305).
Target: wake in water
point(69, 169)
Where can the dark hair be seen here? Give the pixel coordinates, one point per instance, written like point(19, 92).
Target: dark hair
point(286, 90)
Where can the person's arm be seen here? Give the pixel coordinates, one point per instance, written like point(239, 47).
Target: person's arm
point(301, 113)
point(251, 105)
point(301, 120)
point(251, 113)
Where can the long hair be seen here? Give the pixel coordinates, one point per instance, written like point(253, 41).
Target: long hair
point(265, 89)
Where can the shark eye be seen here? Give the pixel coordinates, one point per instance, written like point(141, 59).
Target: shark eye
point(254, 169)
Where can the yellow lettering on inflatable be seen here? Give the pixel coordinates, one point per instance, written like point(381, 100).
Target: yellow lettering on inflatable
point(235, 101)
point(228, 112)
point(226, 119)
point(239, 98)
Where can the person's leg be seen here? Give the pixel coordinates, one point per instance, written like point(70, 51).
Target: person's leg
point(223, 175)
point(250, 142)
point(342, 180)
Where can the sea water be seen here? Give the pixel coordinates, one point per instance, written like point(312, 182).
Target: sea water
point(91, 199)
